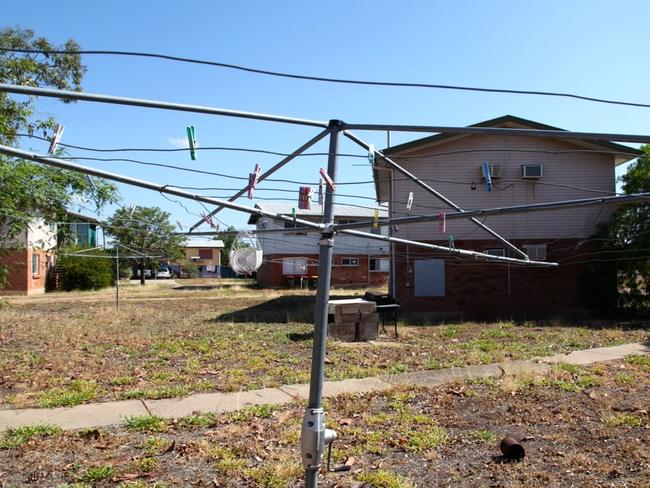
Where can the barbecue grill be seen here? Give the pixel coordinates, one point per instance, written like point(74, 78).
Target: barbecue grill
point(387, 308)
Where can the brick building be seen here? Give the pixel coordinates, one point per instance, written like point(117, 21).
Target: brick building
point(205, 254)
point(292, 256)
point(525, 170)
point(28, 258)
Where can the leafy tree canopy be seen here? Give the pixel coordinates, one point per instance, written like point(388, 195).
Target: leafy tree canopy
point(29, 189)
point(145, 230)
point(623, 251)
point(228, 241)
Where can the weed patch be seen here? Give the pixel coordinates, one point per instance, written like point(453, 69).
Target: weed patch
point(78, 392)
point(145, 423)
point(20, 435)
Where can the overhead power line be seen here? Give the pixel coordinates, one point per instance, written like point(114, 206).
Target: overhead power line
point(344, 81)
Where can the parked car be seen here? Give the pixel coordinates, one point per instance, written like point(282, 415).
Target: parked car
point(164, 273)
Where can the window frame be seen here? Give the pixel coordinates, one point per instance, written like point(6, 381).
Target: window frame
point(387, 260)
point(350, 265)
point(500, 251)
point(36, 262)
point(295, 262)
point(535, 249)
point(203, 252)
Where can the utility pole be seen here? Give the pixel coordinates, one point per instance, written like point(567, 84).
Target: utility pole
point(315, 438)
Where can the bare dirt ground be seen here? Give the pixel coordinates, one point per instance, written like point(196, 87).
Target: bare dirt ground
point(69, 348)
point(580, 426)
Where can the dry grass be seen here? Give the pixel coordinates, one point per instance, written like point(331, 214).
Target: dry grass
point(70, 348)
point(401, 438)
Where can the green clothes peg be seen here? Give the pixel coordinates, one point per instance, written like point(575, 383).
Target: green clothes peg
point(293, 214)
point(191, 139)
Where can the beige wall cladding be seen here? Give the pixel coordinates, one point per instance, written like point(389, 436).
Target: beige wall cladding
point(452, 175)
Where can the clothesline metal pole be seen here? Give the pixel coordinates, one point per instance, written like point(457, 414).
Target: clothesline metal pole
point(117, 276)
point(59, 163)
point(314, 436)
point(19, 153)
point(579, 202)
point(502, 131)
point(269, 172)
point(139, 102)
point(436, 194)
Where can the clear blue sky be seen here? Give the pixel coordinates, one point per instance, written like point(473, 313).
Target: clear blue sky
point(595, 48)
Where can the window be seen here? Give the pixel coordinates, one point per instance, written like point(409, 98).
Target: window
point(294, 266)
point(347, 221)
point(430, 278)
point(536, 252)
point(36, 262)
point(496, 251)
point(205, 253)
point(379, 264)
point(349, 261)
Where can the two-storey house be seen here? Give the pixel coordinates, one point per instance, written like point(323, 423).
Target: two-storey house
point(524, 170)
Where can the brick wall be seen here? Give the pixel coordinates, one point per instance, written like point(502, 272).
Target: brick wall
point(21, 279)
point(480, 289)
point(270, 273)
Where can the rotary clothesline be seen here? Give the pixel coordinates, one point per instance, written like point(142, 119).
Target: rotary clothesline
point(315, 437)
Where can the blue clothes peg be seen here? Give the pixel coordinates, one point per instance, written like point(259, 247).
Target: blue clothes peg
point(487, 175)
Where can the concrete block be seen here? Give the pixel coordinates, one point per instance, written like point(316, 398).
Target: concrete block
point(368, 331)
point(342, 331)
point(346, 317)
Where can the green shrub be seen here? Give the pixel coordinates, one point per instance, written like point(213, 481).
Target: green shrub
point(86, 273)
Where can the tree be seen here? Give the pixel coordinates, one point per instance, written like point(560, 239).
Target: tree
point(623, 247)
point(27, 189)
point(146, 231)
point(228, 241)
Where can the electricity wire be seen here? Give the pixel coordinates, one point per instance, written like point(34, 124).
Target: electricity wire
point(324, 79)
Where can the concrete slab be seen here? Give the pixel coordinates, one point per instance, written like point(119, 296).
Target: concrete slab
point(439, 377)
point(516, 367)
point(589, 356)
point(216, 402)
point(110, 413)
point(91, 415)
point(333, 388)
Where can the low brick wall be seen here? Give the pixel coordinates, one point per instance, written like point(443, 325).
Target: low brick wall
point(482, 289)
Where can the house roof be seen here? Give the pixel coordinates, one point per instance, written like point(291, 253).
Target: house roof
point(205, 243)
point(625, 153)
point(83, 218)
point(339, 210)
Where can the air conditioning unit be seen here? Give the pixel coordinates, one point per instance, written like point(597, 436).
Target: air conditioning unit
point(532, 171)
point(495, 170)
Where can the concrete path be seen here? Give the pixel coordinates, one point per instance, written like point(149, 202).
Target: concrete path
point(111, 413)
